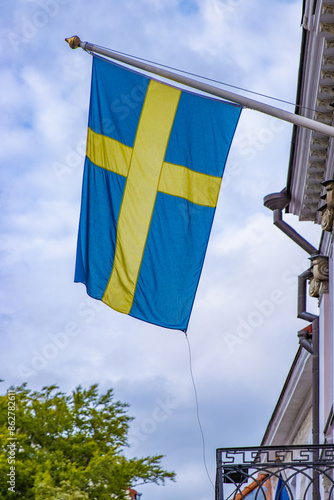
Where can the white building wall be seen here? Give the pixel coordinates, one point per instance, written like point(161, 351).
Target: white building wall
point(304, 433)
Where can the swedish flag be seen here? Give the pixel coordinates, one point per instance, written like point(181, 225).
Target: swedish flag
point(153, 169)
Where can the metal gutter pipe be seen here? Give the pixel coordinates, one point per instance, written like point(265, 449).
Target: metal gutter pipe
point(301, 308)
point(289, 231)
point(277, 202)
point(315, 374)
point(304, 342)
point(315, 404)
point(313, 349)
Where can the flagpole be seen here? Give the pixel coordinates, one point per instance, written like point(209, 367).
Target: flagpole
point(281, 114)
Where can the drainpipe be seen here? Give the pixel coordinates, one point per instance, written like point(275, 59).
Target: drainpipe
point(289, 231)
point(277, 202)
point(312, 348)
point(315, 374)
point(304, 339)
point(315, 406)
point(301, 311)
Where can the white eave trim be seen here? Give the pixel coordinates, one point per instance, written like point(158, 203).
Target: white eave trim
point(294, 403)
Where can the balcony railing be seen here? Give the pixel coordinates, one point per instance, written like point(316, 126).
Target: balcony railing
point(276, 472)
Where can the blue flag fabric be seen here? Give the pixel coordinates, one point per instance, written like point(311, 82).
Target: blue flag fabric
point(154, 163)
point(281, 490)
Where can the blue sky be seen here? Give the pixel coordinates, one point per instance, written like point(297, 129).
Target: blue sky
point(243, 327)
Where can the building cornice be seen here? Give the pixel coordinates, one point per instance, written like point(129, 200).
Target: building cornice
point(311, 152)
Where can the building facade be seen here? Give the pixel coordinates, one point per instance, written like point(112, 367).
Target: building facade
point(297, 446)
point(304, 411)
point(309, 195)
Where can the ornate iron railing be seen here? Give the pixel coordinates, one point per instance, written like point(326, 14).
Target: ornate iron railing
point(276, 472)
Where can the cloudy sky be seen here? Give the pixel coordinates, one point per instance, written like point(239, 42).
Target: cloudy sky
point(242, 332)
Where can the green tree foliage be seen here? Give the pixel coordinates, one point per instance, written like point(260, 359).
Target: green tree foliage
point(69, 446)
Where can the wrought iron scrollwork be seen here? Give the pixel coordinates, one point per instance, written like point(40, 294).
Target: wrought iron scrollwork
point(294, 472)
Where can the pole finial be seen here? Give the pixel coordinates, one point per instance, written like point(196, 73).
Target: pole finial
point(73, 41)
